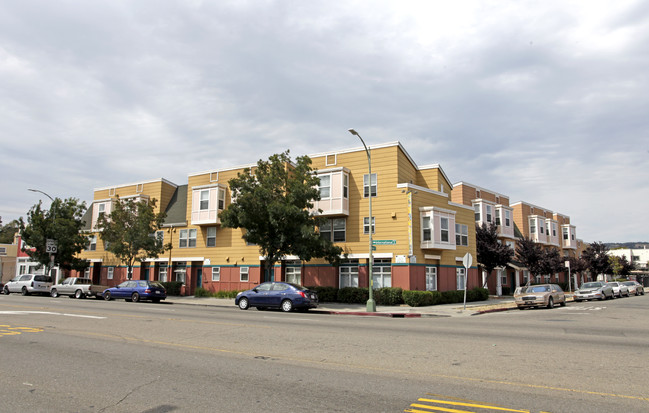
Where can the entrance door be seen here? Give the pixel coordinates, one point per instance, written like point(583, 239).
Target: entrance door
point(199, 277)
point(146, 273)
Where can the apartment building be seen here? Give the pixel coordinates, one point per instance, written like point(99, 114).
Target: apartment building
point(420, 234)
point(639, 257)
point(491, 207)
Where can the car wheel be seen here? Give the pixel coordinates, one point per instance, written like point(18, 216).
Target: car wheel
point(24, 291)
point(6, 290)
point(78, 294)
point(287, 305)
point(563, 303)
point(550, 303)
point(107, 296)
point(54, 293)
point(135, 297)
point(243, 303)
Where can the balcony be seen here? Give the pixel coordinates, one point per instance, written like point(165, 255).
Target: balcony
point(437, 228)
point(334, 192)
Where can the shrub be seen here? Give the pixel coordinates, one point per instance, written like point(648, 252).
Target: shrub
point(172, 287)
point(453, 296)
point(202, 292)
point(226, 294)
point(326, 294)
point(353, 295)
point(480, 294)
point(389, 296)
point(421, 298)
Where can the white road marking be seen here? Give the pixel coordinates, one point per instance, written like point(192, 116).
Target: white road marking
point(51, 313)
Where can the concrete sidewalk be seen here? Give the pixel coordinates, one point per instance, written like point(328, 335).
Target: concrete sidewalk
point(402, 311)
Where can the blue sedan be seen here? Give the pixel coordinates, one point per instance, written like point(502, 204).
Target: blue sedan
point(282, 295)
point(136, 290)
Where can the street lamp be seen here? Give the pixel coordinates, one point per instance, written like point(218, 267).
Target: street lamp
point(53, 209)
point(371, 304)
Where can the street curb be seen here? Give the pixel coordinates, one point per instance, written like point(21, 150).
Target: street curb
point(494, 310)
point(368, 314)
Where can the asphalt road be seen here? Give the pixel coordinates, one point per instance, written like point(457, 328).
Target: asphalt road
point(95, 356)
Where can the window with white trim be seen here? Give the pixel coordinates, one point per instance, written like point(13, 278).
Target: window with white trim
point(382, 273)
point(532, 226)
point(162, 273)
point(345, 185)
point(369, 187)
point(443, 225)
point(366, 225)
point(507, 217)
point(325, 186)
point(431, 278)
point(216, 273)
point(210, 240)
point(489, 217)
point(204, 200)
point(478, 211)
point(541, 227)
point(554, 229)
point(498, 214)
point(86, 272)
point(460, 274)
point(187, 238)
point(425, 228)
point(243, 274)
point(92, 243)
point(181, 273)
point(334, 229)
point(109, 272)
point(294, 273)
point(503, 277)
point(221, 200)
point(461, 235)
point(348, 274)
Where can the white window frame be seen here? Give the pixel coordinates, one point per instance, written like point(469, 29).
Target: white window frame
point(92, 243)
point(382, 273)
point(180, 274)
point(163, 272)
point(216, 273)
point(369, 184)
point(86, 272)
point(444, 230)
point(110, 272)
point(244, 274)
point(210, 237)
point(337, 231)
point(366, 225)
point(293, 274)
point(324, 186)
point(431, 278)
point(426, 230)
point(478, 212)
point(348, 275)
point(507, 218)
point(187, 237)
point(221, 199)
point(462, 235)
point(460, 275)
point(489, 214)
point(345, 186)
point(532, 225)
point(204, 200)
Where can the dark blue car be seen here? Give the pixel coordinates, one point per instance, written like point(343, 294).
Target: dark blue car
point(136, 290)
point(282, 295)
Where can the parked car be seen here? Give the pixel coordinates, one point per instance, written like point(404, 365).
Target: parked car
point(619, 289)
point(2, 288)
point(137, 290)
point(286, 296)
point(29, 284)
point(541, 295)
point(634, 287)
point(594, 290)
point(78, 288)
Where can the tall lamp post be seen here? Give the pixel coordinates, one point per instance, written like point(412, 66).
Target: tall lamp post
point(51, 264)
point(371, 304)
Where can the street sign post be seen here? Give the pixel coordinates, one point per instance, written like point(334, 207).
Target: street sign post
point(467, 260)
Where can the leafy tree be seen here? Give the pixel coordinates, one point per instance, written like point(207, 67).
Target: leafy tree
point(596, 257)
point(274, 205)
point(62, 222)
point(620, 266)
point(8, 231)
point(551, 262)
point(531, 255)
point(577, 265)
point(491, 252)
point(129, 231)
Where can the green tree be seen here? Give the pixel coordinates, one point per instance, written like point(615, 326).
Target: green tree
point(491, 252)
point(8, 231)
point(274, 205)
point(129, 231)
point(620, 266)
point(551, 262)
point(531, 255)
point(577, 266)
point(596, 257)
point(63, 223)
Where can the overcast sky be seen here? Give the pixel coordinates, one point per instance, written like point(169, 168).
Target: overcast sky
point(546, 102)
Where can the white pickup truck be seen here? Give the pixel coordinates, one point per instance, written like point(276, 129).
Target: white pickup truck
point(78, 288)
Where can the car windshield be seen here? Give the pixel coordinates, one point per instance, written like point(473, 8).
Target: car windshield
point(538, 289)
point(591, 285)
point(156, 284)
point(628, 283)
point(613, 284)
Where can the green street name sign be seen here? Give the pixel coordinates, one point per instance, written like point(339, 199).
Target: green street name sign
point(384, 242)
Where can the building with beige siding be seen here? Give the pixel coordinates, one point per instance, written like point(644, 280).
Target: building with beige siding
point(420, 233)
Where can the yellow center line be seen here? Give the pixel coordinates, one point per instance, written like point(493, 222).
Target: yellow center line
point(480, 406)
point(439, 409)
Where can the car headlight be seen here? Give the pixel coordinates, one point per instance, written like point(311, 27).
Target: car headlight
point(239, 293)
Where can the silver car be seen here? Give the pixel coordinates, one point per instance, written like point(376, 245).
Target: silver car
point(29, 284)
point(634, 287)
point(596, 290)
point(619, 289)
